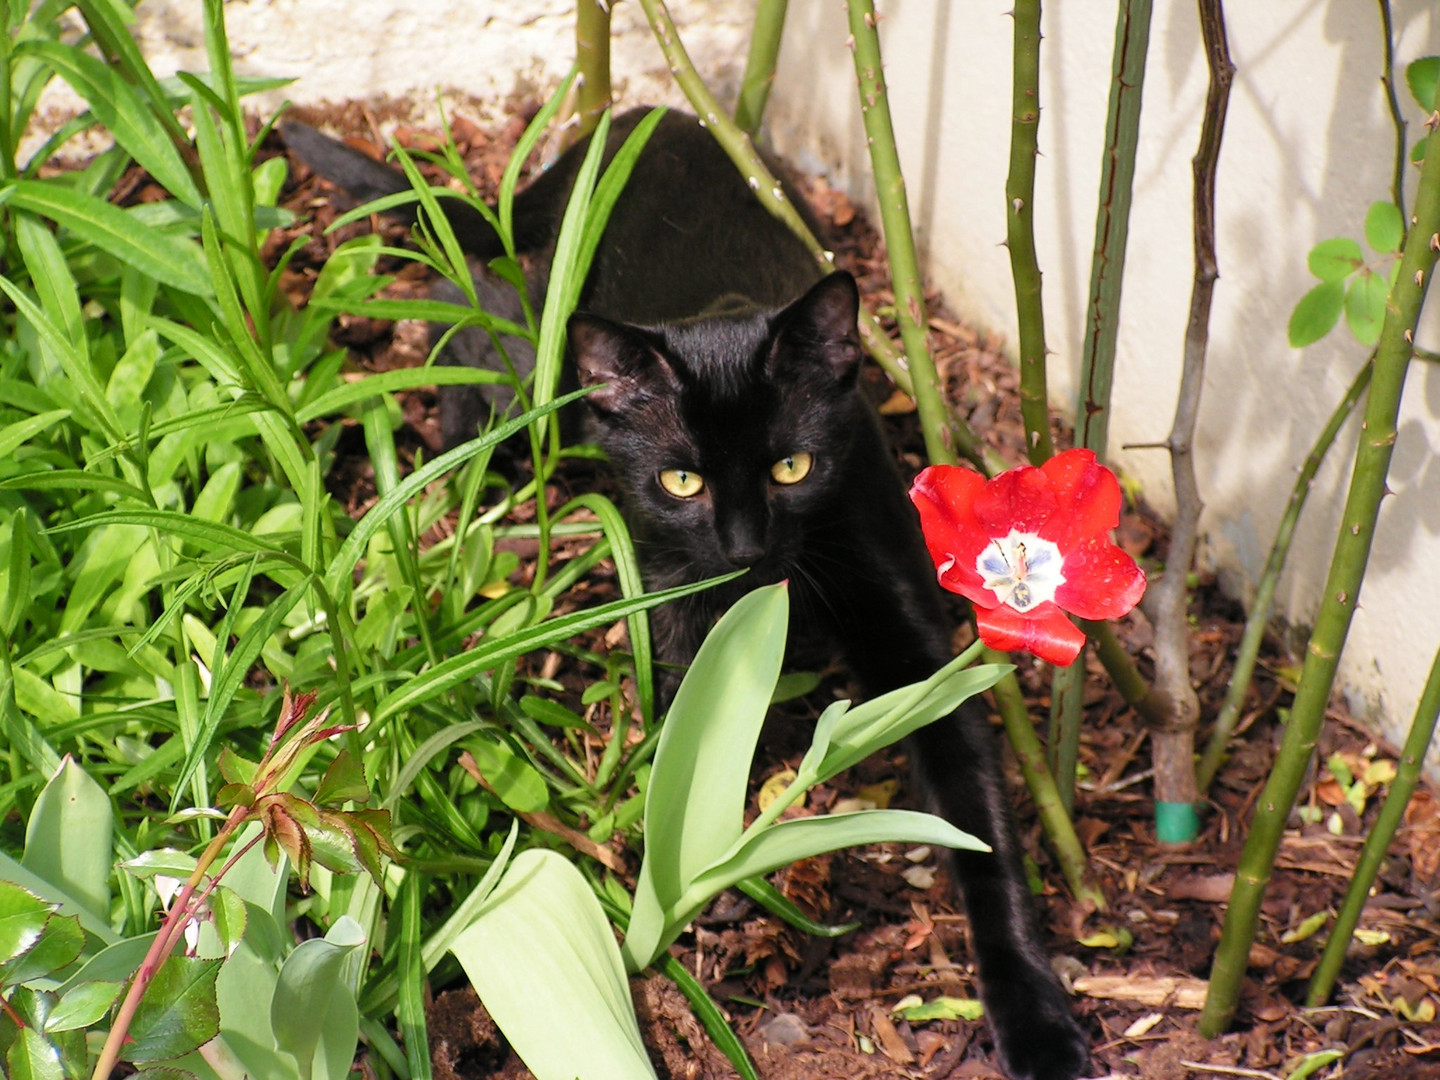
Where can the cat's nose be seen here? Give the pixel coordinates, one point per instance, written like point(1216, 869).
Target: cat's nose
point(744, 554)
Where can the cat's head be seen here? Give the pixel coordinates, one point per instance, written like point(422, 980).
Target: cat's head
point(727, 432)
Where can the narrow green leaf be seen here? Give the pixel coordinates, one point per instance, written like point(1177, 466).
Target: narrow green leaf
point(169, 260)
point(1365, 307)
point(13, 436)
point(1384, 227)
point(711, 1018)
point(1335, 259)
point(777, 903)
point(1316, 314)
point(178, 1013)
point(541, 937)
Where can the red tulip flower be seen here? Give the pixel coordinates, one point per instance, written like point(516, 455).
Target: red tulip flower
point(1029, 546)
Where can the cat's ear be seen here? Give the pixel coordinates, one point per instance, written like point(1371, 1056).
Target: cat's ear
point(822, 325)
point(619, 360)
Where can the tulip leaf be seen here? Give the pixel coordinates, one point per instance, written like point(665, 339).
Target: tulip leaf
point(1384, 227)
point(178, 1013)
point(1365, 307)
point(309, 980)
point(70, 835)
point(1335, 259)
point(541, 938)
point(1317, 313)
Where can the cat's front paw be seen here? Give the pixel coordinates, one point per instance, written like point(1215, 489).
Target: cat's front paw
point(1048, 1051)
point(1038, 1038)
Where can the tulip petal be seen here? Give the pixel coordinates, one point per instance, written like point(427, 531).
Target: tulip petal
point(1044, 631)
point(1087, 497)
point(1018, 500)
point(945, 495)
point(1101, 580)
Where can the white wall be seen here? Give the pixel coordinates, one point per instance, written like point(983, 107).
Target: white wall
point(1307, 147)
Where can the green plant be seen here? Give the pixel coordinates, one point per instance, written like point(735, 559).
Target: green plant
point(542, 933)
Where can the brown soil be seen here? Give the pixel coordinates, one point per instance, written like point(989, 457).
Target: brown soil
point(809, 1008)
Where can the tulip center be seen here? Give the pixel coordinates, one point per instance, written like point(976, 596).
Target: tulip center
point(1021, 569)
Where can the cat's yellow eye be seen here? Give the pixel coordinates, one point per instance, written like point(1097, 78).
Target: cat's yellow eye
point(682, 483)
point(792, 469)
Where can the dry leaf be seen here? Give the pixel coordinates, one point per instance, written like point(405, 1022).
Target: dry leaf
point(1176, 992)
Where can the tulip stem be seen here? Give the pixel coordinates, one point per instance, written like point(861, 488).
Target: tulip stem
point(759, 74)
point(1338, 600)
point(1053, 816)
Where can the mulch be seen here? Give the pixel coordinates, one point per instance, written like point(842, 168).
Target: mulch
point(810, 1008)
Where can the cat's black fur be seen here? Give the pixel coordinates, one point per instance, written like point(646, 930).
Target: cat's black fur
point(720, 349)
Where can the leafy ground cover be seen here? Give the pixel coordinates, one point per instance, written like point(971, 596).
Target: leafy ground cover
point(889, 998)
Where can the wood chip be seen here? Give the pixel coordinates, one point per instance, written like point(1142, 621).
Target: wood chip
point(891, 1044)
point(1151, 991)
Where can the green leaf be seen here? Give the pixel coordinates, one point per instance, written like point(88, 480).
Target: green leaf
point(344, 781)
point(517, 782)
point(32, 1058)
point(22, 431)
point(1384, 227)
point(545, 711)
point(70, 836)
point(59, 946)
point(22, 920)
point(1422, 77)
point(941, 1008)
point(309, 978)
point(1312, 1063)
point(228, 917)
point(178, 1013)
point(1316, 314)
point(83, 1005)
point(166, 861)
point(541, 937)
point(1365, 307)
point(1335, 259)
point(167, 259)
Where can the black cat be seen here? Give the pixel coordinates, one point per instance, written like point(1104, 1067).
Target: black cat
point(726, 368)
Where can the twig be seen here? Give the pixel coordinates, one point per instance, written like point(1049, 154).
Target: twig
point(1230, 1070)
point(1259, 617)
point(1172, 745)
point(759, 74)
point(1020, 230)
point(1422, 729)
point(1337, 605)
point(936, 421)
point(1392, 99)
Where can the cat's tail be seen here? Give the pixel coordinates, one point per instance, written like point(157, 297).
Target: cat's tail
point(365, 179)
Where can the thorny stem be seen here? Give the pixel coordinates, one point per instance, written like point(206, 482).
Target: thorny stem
point(1259, 617)
point(772, 196)
point(1112, 224)
point(1337, 606)
point(161, 947)
point(1053, 816)
point(935, 417)
point(760, 64)
point(592, 57)
point(1412, 758)
point(1020, 230)
point(1172, 745)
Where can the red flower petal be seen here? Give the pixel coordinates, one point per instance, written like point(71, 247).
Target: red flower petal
point(1044, 631)
point(1087, 497)
point(945, 495)
point(1101, 581)
point(1017, 499)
